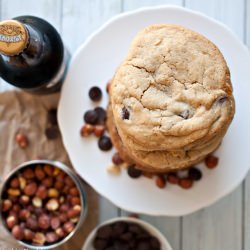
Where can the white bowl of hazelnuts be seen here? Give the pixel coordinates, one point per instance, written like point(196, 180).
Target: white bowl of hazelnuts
point(42, 204)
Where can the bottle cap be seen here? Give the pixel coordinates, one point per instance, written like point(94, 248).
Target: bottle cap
point(13, 37)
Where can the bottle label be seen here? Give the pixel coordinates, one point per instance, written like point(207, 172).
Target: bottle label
point(13, 37)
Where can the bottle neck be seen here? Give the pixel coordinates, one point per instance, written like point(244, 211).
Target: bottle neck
point(35, 43)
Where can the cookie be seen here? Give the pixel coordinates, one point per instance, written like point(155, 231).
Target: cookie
point(160, 161)
point(172, 92)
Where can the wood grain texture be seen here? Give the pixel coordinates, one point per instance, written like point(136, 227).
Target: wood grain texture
point(80, 18)
point(220, 226)
point(217, 227)
point(230, 12)
point(134, 4)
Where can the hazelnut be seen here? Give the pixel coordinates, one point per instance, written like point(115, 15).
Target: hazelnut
point(17, 232)
point(47, 182)
point(30, 189)
point(24, 214)
point(16, 208)
point(173, 178)
point(63, 217)
point(61, 199)
point(37, 202)
point(185, 183)
point(31, 223)
point(56, 171)
point(11, 221)
point(72, 213)
point(39, 173)
point(68, 227)
point(28, 173)
point(69, 182)
point(42, 192)
point(108, 86)
point(51, 237)
point(74, 220)
point(64, 207)
point(24, 199)
point(99, 130)
point(13, 192)
point(44, 221)
point(114, 169)
point(12, 198)
point(53, 193)
point(22, 140)
point(160, 181)
point(60, 176)
point(22, 182)
point(116, 159)
point(52, 204)
point(14, 183)
point(74, 191)
point(48, 169)
point(39, 210)
point(55, 222)
point(59, 185)
point(86, 130)
point(39, 239)
point(211, 161)
point(66, 189)
point(75, 201)
point(6, 205)
point(60, 232)
point(28, 234)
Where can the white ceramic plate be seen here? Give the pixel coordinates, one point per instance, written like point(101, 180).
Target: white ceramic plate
point(88, 245)
point(96, 61)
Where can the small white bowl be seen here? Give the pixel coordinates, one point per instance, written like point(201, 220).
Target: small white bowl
point(88, 245)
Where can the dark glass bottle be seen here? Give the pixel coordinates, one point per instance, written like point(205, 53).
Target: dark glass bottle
point(32, 55)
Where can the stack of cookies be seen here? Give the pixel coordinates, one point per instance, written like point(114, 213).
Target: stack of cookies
point(171, 99)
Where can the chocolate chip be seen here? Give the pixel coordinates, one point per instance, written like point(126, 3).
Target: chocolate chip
point(125, 113)
point(95, 94)
point(105, 143)
point(90, 117)
point(126, 236)
point(222, 99)
point(194, 174)
point(102, 115)
point(184, 114)
point(119, 245)
point(52, 133)
point(155, 243)
point(52, 116)
point(100, 244)
point(104, 232)
point(119, 228)
point(134, 172)
point(143, 246)
point(133, 228)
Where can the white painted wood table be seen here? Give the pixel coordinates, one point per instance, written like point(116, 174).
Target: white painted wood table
point(223, 226)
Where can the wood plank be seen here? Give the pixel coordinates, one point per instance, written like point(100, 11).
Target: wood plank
point(230, 12)
point(80, 18)
point(49, 10)
point(170, 227)
point(134, 4)
point(218, 227)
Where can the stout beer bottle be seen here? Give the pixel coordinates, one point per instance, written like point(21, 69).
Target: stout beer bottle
point(32, 55)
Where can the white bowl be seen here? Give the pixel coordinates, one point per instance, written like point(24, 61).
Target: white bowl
point(88, 245)
point(96, 61)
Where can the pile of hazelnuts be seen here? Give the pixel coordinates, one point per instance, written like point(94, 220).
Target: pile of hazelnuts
point(40, 204)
